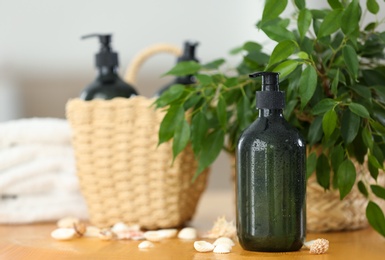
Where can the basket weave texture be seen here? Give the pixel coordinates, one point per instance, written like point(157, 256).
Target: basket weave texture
point(123, 175)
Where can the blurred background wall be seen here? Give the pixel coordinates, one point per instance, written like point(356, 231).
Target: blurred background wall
point(43, 62)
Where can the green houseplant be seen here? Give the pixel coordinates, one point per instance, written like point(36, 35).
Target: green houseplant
point(332, 70)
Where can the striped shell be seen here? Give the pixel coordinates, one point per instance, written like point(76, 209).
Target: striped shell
point(224, 240)
point(222, 249)
point(188, 233)
point(145, 245)
point(203, 246)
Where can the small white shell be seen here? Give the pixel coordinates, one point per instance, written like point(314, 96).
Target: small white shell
point(106, 235)
point(153, 236)
point(145, 245)
point(120, 226)
point(168, 233)
point(67, 222)
point(188, 233)
point(63, 233)
point(222, 249)
point(92, 231)
point(224, 240)
point(203, 246)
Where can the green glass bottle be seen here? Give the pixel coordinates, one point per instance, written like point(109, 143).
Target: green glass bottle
point(271, 177)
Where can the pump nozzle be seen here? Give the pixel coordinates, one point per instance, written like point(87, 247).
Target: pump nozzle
point(106, 57)
point(189, 52)
point(270, 80)
point(270, 97)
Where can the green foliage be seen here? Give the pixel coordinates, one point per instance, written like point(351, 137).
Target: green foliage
point(333, 72)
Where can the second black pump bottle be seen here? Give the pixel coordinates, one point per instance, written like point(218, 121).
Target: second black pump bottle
point(271, 177)
point(107, 84)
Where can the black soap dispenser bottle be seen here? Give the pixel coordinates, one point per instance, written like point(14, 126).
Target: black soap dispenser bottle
point(271, 176)
point(107, 84)
point(188, 54)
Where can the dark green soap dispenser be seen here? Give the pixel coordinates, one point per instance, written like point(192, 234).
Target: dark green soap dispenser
point(187, 55)
point(271, 176)
point(107, 84)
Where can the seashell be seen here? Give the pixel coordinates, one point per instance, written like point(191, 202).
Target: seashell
point(146, 245)
point(63, 233)
point(118, 227)
point(106, 234)
point(67, 222)
point(153, 236)
point(168, 233)
point(317, 246)
point(224, 240)
point(203, 246)
point(222, 228)
point(222, 249)
point(92, 231)
point(188, 233)
point(80, 228)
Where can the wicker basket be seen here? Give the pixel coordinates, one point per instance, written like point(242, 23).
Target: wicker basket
point(123, 174)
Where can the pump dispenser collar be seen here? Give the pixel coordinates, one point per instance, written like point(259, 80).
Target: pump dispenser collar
point(189, 51)
point(106, 57)
point(270, 97)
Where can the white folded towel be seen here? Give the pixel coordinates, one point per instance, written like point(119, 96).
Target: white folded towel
point(34, 130)
point(49, 206)
point(23, 154)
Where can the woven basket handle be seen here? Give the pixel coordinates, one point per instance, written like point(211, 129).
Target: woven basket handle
point(132, 70)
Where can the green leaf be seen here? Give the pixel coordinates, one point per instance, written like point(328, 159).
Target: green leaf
point(307, 85)
point(359, 110)
point(304, 21)
point(373, 161)
point(303, 55)
point(311, 164)
point(376, 217)
point(315, 131)
point(362, 189)
point(204, 80)
point(351, 60)
point(346, 177)
point(350, 18)
point(372, 6)
point(170, 95)
point(323, 171)
point(199, 128)
point(277, 32)
point(363, 91)
point(273, 8)
point(184, 68)
point(337, 156)
point(213, 64)
point(301, 4)
point(173, 117)
point(323, 106)
point(334, 87)
point(335, 4)
point(243, 112)
point(367, 138)
point(252, 47)
point(282, 51)
point(378, 191)
point(286, 67)
point(221, 112)
point(210, 150)
point(378, 127)
point(350, 124)
point(329, 122)
point(181, 138)
point(331, 23)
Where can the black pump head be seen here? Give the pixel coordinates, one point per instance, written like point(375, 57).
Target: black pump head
point(106, 57)
point(270, 80)
point(189, 52)
point(270, 97)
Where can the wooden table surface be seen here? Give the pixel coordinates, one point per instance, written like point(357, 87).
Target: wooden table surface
point(34, 242)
